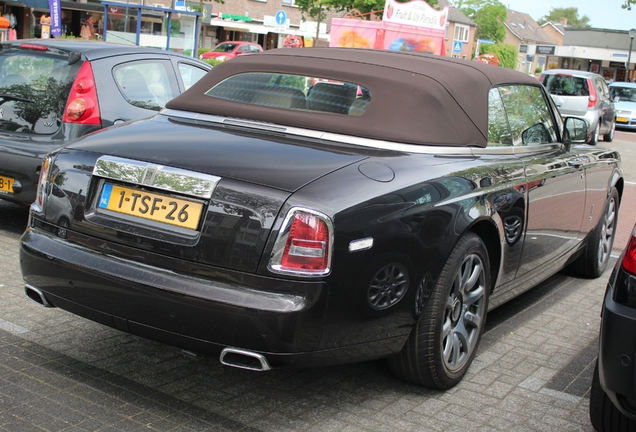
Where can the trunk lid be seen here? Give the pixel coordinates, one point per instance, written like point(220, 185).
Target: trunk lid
point(228, 187)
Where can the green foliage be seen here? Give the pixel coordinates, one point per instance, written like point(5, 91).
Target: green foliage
point(571, 13)
point(628, 4)
point(507, 54)
point(213, 62)
point(489, 15)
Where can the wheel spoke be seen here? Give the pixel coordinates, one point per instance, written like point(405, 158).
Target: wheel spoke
point(474, 296)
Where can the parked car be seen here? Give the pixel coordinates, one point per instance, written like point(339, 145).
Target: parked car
point(585, 95)
point(55, 90)
point(229, 50)
point(378, 213)
point(613, 394)
point(624, 97)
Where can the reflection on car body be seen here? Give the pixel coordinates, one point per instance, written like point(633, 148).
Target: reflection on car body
point(329, 223)
point(53, 91)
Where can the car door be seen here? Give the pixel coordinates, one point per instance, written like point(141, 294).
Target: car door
point(555, 189)
point(606, 104)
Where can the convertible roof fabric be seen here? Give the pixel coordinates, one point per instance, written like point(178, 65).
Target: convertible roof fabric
point(415, 98)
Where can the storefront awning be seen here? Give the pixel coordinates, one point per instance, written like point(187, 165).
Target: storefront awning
point(240, 26)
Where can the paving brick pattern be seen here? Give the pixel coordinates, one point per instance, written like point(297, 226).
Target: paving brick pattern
point(59, 372)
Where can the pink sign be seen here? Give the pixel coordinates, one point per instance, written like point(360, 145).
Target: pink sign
point(351, 33)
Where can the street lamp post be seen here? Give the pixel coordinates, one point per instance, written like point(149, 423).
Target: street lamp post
point(632, 33)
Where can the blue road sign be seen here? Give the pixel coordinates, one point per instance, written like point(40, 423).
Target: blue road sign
point(281, 17)
point(457, 47)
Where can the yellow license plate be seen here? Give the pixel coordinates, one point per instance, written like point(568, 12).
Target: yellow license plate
point(6, 184)
point(621, 120)
point(155, 207)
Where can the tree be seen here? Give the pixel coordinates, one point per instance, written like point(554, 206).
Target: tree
point(572, 15)
point(507, 54)
point(628, 4)
point(489, 15)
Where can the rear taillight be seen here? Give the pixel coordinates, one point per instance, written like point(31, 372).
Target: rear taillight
point(304, 244)
point(38, 205)
point(82, 106)
point(629, 259)
point(592, 98)
point(625, 280)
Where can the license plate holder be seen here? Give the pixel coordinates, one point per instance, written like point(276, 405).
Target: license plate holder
point(621, 120)
point(151, 206)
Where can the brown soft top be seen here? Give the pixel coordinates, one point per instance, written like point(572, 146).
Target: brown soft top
point(415, 98)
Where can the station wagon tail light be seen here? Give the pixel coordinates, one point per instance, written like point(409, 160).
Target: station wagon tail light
point(303, 246)
point(82, 106)
point(592, 98)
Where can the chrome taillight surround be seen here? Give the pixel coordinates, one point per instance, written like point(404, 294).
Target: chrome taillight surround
point(275, 263)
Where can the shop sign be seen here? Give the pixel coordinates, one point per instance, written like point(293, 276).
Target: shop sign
point(617, 64)
point(546, 49)
point(206, 13)
point(227, 16)
point(416, 13)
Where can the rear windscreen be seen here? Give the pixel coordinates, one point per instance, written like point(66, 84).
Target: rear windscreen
point(34, 89)
point(566, 85)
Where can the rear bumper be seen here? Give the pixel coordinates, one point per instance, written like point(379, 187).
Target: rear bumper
point(282, 320)
point(617, 358)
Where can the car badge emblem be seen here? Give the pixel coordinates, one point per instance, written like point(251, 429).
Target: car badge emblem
point(149, 175)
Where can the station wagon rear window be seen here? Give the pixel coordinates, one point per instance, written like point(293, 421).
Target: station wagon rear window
point(294, 92)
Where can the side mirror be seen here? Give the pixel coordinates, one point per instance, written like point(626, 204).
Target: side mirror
point(574, 131)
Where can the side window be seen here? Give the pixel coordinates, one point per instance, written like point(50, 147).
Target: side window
point(603, 87)
point(147, 84)
point(498, 128)
point(528, 115)
point(190, 74)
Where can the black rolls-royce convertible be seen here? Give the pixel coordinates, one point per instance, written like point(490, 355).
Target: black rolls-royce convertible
point(324, 206)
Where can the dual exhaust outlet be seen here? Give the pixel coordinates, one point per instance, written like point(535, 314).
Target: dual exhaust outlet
point(235, 357)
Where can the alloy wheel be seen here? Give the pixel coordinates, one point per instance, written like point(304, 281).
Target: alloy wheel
point(607, 232)
point(465, 310)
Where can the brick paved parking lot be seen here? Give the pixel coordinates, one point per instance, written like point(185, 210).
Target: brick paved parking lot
point(59, 372)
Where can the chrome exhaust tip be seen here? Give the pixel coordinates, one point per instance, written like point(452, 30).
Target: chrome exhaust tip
point(37, 296)
point(244, 359)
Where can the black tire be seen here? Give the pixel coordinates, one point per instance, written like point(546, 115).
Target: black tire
point(595, 134)
point(609, 137)
point(443, 343)
point(605, 417)
point(593, 261)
